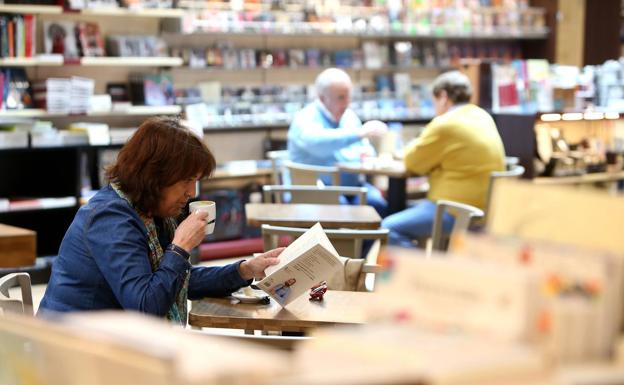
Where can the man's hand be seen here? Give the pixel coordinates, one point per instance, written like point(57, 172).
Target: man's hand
point(373, 128)
point(254, 267)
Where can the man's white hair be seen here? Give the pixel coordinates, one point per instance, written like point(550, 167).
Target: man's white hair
point(331, 76)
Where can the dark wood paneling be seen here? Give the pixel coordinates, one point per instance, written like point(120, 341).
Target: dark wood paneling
point(544, 49)
point(602, 31)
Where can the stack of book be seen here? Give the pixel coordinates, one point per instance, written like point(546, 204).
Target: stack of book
point(53, 95)
point(81, 92)
point(65, 96)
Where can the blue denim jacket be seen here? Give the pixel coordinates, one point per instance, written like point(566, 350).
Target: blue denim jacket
point(103, 264)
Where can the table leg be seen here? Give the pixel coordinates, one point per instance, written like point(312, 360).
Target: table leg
point(397, 194)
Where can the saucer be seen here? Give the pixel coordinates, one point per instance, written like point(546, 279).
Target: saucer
point(258, 297)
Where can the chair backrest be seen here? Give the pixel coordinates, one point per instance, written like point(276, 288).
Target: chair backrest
point(306, 174)
point(312, 194)
point(14, 305)
point(513, 172)
point(511, 161)
point(348, 242)
point(463, 214)
point(277, 159)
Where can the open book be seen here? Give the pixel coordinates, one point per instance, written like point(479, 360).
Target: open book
point(307, 261)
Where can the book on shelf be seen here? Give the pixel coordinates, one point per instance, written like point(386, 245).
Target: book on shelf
point(60, 38)
point(296, 57)
point(157, 90)
point(89, 39)
point(16, 90)
point(98, 133)
point(372, 55)
point(343, 58)
point(306, 262)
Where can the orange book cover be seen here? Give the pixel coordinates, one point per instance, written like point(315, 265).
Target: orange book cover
point(10, 29)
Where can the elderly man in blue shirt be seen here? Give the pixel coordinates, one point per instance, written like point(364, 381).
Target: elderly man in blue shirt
point(327, 131)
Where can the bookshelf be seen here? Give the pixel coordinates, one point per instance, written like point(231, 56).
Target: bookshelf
point(110, 61)
point(130, 111)
point(136, 61)
point(260, 29)
point(32, 9)
point(108, 12)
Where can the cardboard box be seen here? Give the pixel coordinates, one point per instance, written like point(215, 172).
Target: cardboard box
point(18, 247)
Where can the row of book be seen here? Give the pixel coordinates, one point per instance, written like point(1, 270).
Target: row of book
point(24, 133)
point(410, 20)
point(75, 95)
point(17, 35)
point(73, 39)
point(373, 55)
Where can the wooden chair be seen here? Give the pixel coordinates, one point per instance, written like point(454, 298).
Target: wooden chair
point(358, 273)
point(463, 214)
point(14, 305)
point(312, 194)
point(277, 158)
point(306, 174)
point(348, 242)
point(513, 172)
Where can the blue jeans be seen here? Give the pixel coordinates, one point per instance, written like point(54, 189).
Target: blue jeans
point(373, 198)
point(414, 223)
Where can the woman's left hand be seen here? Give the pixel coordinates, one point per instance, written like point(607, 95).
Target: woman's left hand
point(254, 267)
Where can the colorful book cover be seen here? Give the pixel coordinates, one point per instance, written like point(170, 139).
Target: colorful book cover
point(29, 35)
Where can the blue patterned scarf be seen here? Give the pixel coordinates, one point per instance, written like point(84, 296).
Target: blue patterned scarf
point(178, 310)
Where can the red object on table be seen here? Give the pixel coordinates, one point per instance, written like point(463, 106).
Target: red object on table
point(317, 292)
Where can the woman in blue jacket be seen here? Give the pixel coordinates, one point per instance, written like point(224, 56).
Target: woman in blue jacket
point(124, 249)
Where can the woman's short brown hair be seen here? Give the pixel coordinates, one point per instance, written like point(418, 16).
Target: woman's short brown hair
point(456, 85)
point(161, 153)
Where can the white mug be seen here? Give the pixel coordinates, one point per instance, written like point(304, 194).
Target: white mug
point(211, 208)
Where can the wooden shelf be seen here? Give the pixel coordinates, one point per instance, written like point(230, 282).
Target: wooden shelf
point(31, 61)
point(55, 10)
point(599, 177)
point(131, 61)
point(34, 9)
point(143, 13)
point(315, 69)
point(261, 30)
point(108, 61)
point(132, 111)
point(258, 121)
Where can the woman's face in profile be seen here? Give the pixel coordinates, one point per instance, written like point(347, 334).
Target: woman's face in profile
point(173, 198)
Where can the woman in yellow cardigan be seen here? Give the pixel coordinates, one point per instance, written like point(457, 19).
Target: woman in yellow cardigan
point(457, 150)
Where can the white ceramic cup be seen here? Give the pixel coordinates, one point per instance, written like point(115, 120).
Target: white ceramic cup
point(211, 208)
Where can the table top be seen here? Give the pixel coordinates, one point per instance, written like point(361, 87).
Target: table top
point(337, 307)
point(579, 179)
point(394, 169)
point(306, 215)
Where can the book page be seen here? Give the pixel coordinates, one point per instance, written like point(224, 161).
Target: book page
point(309, 260)
point(307, 240)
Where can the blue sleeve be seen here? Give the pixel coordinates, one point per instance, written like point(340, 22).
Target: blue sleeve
point(116, 238)
point(215, 281)
point(310, 135)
